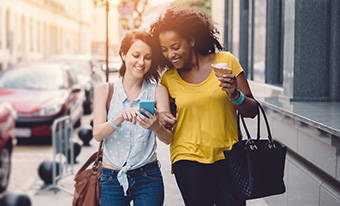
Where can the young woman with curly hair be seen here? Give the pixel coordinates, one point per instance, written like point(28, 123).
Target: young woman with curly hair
point(204, 105)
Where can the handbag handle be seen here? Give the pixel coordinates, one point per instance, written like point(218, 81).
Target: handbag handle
point(108, 100)
point(93, 158)
point(109, 96)
point(97, 156)
point(246, 129)
point(258, 125)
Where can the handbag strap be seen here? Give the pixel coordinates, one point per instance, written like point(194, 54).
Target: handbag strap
point(238, 127)
point(92, 159)
point(266, 121)
point(97, 156)
point(108, 100)
point(258, 125)
point(109, 96)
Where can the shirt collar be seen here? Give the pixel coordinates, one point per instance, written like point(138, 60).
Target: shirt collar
point(123, 96)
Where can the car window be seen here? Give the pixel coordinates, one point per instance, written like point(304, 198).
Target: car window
point(72, 79)
point(81, 67)
point(32, 78)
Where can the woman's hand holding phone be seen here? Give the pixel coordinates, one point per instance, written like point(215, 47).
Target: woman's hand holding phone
point(147, 116)
point(148, 121)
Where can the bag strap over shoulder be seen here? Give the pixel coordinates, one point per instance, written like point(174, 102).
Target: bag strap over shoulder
point(108, 100)
point(109, 96)
point(96, 157)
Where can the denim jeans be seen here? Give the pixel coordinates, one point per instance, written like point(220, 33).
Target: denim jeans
point(146, 187)
point(204, 184)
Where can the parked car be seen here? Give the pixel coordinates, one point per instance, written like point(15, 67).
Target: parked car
point(114, 63)
point(7, 142)
point(39, 94)
point(89, 76)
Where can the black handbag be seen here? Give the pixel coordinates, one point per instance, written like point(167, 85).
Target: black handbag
point(256, 166)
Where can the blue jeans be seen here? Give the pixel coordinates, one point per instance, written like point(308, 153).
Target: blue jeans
point(146, 187)
point(204, 184)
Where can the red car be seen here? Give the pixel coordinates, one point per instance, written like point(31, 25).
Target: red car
point(7, 142)
point(39, 94)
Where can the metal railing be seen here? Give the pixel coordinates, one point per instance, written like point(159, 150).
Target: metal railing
point(62, 135)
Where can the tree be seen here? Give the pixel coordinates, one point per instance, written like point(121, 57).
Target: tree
point(201, 5)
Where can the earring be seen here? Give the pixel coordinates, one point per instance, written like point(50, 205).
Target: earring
point(192, 42)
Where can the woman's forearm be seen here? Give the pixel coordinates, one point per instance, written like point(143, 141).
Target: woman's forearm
point(164, 135)
point(104, 130)
point(248, 108)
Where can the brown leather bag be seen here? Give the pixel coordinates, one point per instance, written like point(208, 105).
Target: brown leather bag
point(87, 192)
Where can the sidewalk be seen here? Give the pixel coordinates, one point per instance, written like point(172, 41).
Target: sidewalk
point(56, 198)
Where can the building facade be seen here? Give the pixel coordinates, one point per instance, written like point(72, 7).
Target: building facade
point(289, 50)
point(31, 30)
point(98, 45)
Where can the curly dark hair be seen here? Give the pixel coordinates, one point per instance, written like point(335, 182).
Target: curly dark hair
point(153, 75)
point(188, 23)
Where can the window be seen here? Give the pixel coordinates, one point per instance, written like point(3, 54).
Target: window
point(255, 38)
point(7, 29)
point(31, 38)
point(23, 44)
point(38, 36)
point(259, 40)
point(236, 28)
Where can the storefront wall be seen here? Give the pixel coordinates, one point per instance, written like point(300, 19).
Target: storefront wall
point(289, 51)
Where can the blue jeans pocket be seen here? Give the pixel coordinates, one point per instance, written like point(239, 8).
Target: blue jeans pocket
point(153, 174)
point(105, 179)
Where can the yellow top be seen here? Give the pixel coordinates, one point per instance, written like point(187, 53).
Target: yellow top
point(206, 119)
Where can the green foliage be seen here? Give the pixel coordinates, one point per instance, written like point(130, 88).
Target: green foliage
point(202, 5)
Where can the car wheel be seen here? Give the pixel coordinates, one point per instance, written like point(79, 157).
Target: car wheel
point(77, 124)
point(5, 167)
point(88, 107)
point(88, 104)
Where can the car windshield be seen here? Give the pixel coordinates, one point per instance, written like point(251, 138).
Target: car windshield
point(80, 66)
point(32, 78)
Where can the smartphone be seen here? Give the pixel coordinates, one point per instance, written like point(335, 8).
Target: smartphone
point(148, 106)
